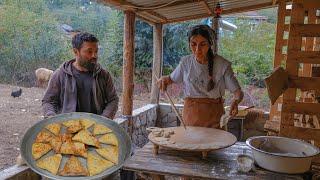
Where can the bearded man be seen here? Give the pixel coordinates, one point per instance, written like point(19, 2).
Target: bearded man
point(81, 84)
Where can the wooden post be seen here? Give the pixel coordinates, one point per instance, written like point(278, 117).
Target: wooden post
point(157, 61)
point(307, 68)
point(273, 124)
point(215, 26)
point(128, 62)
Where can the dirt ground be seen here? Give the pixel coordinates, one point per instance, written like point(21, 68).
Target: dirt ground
point(17, 115)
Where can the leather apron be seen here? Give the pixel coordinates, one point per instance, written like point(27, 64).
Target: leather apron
point(203, 112)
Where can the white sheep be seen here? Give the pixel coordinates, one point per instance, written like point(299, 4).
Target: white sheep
point(43, 76)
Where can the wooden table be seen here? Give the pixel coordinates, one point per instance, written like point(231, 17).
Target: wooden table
point(220, 164)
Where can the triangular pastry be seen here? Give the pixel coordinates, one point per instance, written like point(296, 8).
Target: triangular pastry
point(73, 167)
point(109, 138)
point(97, 164)
point(100, 129)
point(43, 137)
point(86, 123)
point(40, 149)
point(86, 137)
point(50, 163)
point(54, 128)
point(56, 143)
point(110, 153)
point(73, 126)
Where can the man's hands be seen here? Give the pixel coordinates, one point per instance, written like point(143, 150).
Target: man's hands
point(163, 83)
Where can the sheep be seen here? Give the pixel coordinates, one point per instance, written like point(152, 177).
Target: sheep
point(43, 76)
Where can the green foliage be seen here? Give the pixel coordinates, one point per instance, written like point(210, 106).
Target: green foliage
point(27, 40)
point(31, 37)
point(250, 48)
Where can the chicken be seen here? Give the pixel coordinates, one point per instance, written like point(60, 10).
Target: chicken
point(16, 93)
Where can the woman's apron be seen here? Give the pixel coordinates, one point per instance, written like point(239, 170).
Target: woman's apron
point(203, 112)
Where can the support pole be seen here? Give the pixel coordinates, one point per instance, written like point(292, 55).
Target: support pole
point(128, 62)
point(157, 61)
point(215, 27)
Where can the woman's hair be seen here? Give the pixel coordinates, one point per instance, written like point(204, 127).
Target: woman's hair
point(209, 34)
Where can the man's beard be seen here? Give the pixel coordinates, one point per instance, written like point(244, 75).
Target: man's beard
point(89, 65)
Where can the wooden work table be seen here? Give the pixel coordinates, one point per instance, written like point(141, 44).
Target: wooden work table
point(220, 164)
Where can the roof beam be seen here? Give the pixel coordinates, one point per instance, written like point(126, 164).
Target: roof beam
point(248, 8)
point(163, 19)
point(146, 19)
point(235, 10)
point(123, 5)
point(206, 6)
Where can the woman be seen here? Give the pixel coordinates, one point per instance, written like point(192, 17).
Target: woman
point(205, 76)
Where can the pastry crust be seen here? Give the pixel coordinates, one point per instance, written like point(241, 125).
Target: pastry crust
point(40, 149)
point(73, 167)
point(97, 164)
point(50, 163)
point(100, 129)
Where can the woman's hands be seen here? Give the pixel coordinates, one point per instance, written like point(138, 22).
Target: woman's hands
point(233, 108)
point(163, 83)
point(238, 96)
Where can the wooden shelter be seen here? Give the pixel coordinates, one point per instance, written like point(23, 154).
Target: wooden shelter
point(297, 50)
point(162, 12)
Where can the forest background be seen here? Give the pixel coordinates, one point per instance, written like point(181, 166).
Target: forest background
point(33, 34)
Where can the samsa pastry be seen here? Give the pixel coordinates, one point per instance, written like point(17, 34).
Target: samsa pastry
point(74, 148)
point(43, 137)
point(86, 123)
point(73, 126)
point(50, 163)
point(109, 138)
point(97, 164)
point(40, 149)
point(56, 143)
point(73, 167)
point(54, 128)
point(110, 153)
point(86, 137)
point(100, 129)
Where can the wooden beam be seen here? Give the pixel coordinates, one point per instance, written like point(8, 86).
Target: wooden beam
point(162, 18)
point(304, 83)
point(145, 19)
point(307, 68)
point(215, 23)
point(311, 57)
point(206, 6)
point(309, 4)
point(301, 133)
point(128, 62)
point(306, 30)
point(19, 172)
point(301, 108)
point(279, 34)
point(122, 5)
point(274, 2)
point(157, 61)
point(288, 12)
point(248, 8)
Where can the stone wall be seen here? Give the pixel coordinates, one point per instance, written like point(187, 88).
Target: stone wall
point(136, 125)
point(166, 115)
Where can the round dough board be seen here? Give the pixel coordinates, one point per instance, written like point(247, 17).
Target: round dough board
point(191, 139)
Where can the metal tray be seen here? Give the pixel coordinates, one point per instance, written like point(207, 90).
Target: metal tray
point(30, 135)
